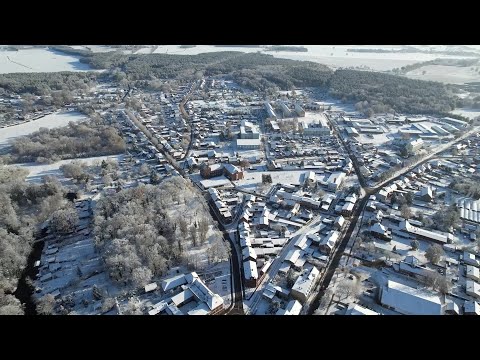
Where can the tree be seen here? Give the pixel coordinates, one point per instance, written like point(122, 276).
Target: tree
point(46, 304)
point(434, 253)
point(141, 276)
point(193, 235)
point(144, 169)
point(405, 211)
point(64, 221)
point(107, 180)
point(266, 179)
point(291, 278)
point(203, 227)
point(415, 244)
point(182, 224)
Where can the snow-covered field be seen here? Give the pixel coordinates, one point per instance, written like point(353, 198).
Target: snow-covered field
point(50, 121)
point(469, 113)
point(39, 60)
point(445, 74)
point(37, 171)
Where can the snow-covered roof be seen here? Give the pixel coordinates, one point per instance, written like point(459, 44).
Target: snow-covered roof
point(305, 281)
point(173, 282)
point(250, 270)
point(293, 255)
point(249, 252)
point(471, 307)
point(150, 287)
point(292, 308)
point(355, 309)
point(231, 169)
point(410, 301)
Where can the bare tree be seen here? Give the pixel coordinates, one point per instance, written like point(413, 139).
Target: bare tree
point(405, 211)
point(203, 226)
point(415, 244)
point(193, 235)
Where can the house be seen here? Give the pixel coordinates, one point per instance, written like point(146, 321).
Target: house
point(426, 194)
point(305, 284)
point(150, 287)
point(298, 109)
point(472, 273)
point(355, 309)
point(472, 288)
point(339, 222)
point(381, 232)
point(438, 237)
point(471, 308)
point(309, 179)
point(410, 301)
point(470, 259)
point(249, 130)
point(347, 209)
point(335, 180)
point(232, 172)
point(250, 273)
point(292, 308)
point(328, 243)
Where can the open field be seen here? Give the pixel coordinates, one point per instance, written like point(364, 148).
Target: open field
point(50, 121)
point(445, 74)
point(39, 60)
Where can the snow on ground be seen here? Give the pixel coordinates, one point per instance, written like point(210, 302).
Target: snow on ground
point(445, 74)
point(253, 178)
point(50, 121)
point(467, 112)
point(39, 60)
point(37, 171)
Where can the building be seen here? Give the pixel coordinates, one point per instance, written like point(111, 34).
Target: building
point(413, 146)
point(249, 130)
point(426, 194)
point(429, 235)
point(305, 284)
point(471, 308)
point(335, 180)
point(292, 308)
point(310, 179)
point(355, 309)
point(250, 273)
point(472, 288)
point(192, 290)
point(328, 242)
point(472, 273)
point(285, 109)
point(209, 171)
point(455, 122)
point(410, 301)
point(232, 172)
point(299, 110)
point(381, 232)
point(270, 111)
point(248, 144)
point(319, 128)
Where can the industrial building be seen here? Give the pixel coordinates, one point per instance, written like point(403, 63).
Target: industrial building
point(270, 111)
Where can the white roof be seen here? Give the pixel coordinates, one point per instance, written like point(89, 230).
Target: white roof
point(250, 270)
point(150, 287)
point(355, 309)
point(173, 282)
point(410, 301)
point(292, 255)
point(472, 307)
point(292, 308)
point(305, 281)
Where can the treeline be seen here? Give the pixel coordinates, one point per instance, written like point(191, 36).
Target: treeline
point(46, 83)
point(286, 48)
point(70, 51)
point(76, 140)
point(139, 239)
point(22, 207)
point(445, 62)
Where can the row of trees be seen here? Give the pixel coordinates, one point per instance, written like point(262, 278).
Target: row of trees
point(139, 239)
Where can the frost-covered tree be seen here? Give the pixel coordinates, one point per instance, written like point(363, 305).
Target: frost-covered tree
point(434, 253)
point(64, 220)
point(45, 305)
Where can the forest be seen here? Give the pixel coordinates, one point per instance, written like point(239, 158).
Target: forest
point(23, 206)
point(144, 231)
point(46, 83)
point(77, 140)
